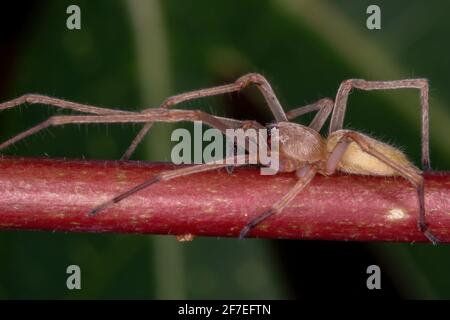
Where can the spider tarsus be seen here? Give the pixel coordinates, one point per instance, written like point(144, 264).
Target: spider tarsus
point(244, 232)
point(99, 208)
point(430, 236)
point(124, 195)
point(96, 210)
point(125, 157)
point(229, 169)
point(255, 221)
point(423, 227)
point(426, 167)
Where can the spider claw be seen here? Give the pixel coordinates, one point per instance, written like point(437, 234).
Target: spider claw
point(229, 169)
point(423, 227)
point(430, 236)
point(97, 209)
point(93, 212)
point(256, 221)
point(426, 167)
point(244, 232)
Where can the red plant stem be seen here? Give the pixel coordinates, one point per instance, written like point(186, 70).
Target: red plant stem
point(56, 195)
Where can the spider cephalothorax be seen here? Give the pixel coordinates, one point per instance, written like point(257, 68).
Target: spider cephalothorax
point(299, 146)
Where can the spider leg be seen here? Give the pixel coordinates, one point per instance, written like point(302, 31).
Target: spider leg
point(159, 115)
point(168, 175)
point(337, 119)
point(85, 108)
point(409, 173)
point(252, 78)
point(60, 103)
point(305, 175)
point(325, 106)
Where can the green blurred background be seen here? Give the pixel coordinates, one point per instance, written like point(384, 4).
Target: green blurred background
point(131, 54)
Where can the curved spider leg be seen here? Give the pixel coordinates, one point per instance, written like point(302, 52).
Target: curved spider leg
point(324, 107)
point(168, 175)
point(337, 119)
point(159, 115)
point(60, 103)
point(305, 175)
point(409, 173)
point(252, 78)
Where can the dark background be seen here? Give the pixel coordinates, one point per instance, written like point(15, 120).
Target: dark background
point(132, 54)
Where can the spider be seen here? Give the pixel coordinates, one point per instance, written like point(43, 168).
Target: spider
point(302, 150)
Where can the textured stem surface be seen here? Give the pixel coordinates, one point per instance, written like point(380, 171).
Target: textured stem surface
point(56, 195)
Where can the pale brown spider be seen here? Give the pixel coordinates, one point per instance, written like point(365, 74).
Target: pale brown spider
point(302, 149)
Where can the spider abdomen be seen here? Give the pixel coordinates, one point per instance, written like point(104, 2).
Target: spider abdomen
point(357, 161)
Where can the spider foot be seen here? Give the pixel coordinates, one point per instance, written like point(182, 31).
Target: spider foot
point(430, 236)
point(229, 169)
point(426, 167)
point(255, 221)
point(99, 208)
point(423, 227)
point(245, 231)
